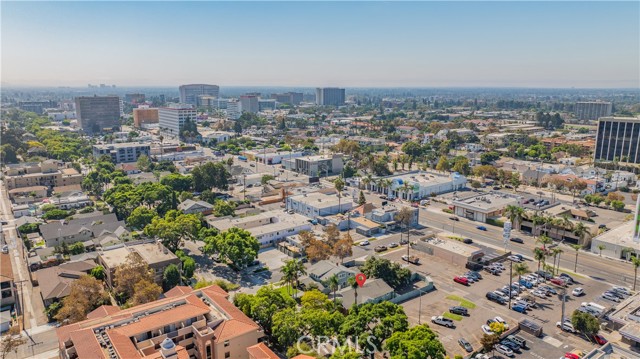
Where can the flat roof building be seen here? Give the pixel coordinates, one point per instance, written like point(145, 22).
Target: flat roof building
point(482, 207)
point(145, 116)
point(98, 114)
point(122, 152)
point(419, 184)
point(330, 96)
point(618, 138)
point(189, 93)
point(172, 118)
point(592, 110)
point(318, 204)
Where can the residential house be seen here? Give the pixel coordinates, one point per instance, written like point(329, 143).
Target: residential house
point(187, 323)
point(25, 195)
point(81, 228)
point(55, 282)
point(323, 270)
point(190, 206)
point(374, 290)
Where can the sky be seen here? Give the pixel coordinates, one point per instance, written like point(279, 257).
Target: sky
point(347, 44)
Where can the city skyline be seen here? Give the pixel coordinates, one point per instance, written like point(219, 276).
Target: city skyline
point(292, 44)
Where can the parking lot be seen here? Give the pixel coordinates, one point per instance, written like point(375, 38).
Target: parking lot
point(554, 342)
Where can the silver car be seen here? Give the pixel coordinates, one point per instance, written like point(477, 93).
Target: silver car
point(504, 350)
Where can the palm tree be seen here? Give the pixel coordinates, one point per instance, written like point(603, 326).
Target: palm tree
point(520, 270)
point(333, 283)
point(339, 186)
point(386, 183)
point(352, 282)
point(576, 247)
point(514, 213)
point(566, 224)
point(405, 188)
point(556, 252)
point(539, 255)
point(581, 231)
point(366, 181)
point(601, 247)
point(404, 218)
point(626, 252)
point(298, 271)
point(636, 263)
point(288, 274)
point(544, 240)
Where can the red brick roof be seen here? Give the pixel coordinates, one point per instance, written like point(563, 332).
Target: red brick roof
point(261, 351)
point(178, 291)
point(103, 311)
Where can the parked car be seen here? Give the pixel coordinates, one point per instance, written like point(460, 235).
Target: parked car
point(611, 297)
point(558, 281)
point(566, 326)
point(461, 280)
point(567, 278)
point(487, 330)
point(526, 283)
point(5, 249)
point(454, 218)
point(378, 249)
point(504, 350)
point(599, 339)
point(467, 241)
point(550, 290)
point(517, 240)
point(571, 356)
point(482, 228)
point(520, 307)
point(365, 243)
point(404, 241)
point(511, 345)
point(393, 245)
point(576, 292)
point(440, 320)
point(543, 274)
point(459, 310)
point(465, 345)
point(622, 290)
point(514, 259)
point(475, 275)
point(518, 340)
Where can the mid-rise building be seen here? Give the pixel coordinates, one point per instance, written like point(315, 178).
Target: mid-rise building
point(290, 98)
point(592, 110)
point(330, 96)
point(189, 93)
point(49, 173)
point(249, 103)
point(122, 152)
point(98, 114)
point(318, 204)
point(212, 103)
point(266, 105)
point(618, 138)
point(145, 116)
point(134, 98)
point(171, 119)
point(185, 323)
point(316, 166)
point(234, 109)
point(36, 106)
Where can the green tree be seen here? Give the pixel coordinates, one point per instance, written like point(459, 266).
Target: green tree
point(266, 178)
point(390, 272)
point(177, 182)
point(601, 247)
point(86, 294)
point(576, 247)
point(188, 267)
point(144, 164)
point(174, 229)
point(170, 277)
point(223, 208)
point(443, 164)
point(236, 245)
point(29, 228)
point(98, 272)
point(55, 214)
point(262, 306)
point(635, 261)
point(515, 180)
point(210, 175)
point(76, 248)
point(461, 165)
point(585, 323)
point(141, 217)
point(489, 341)
point(521, 269)
point(339, 186)
point(362, 199)
point(333, 283)
point(419, 342)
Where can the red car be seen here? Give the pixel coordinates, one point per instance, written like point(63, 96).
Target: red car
point(599, 339)
point(461, 280)
point(558, 281)
point(571, 356)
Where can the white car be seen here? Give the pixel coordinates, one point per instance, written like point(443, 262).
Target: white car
point(611, 297)
point(539, 294)
point(5, 249)
point(514, 259)
point(487, 330)
point(442, 321)
point(566, 326)
point(504, 350)
point(365, 243)
point(576, 292)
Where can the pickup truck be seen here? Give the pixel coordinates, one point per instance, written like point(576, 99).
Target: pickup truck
point(442, 321)
point(411, 259)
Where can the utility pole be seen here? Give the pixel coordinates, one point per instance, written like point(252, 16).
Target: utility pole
point(420, 309)
point(509, 281)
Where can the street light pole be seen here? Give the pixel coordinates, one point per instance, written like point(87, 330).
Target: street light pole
point(509, 281)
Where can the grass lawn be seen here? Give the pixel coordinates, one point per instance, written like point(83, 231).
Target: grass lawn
point(572, 273)
point(288, 292)
point(452, 316)
point(463, 302)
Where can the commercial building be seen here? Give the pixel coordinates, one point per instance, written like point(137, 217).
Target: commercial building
point(173, 117)
point(36, 106)
point(134, 98)
point(268, 228)
point(144, 116)
point(152, 252)
point(592, 110)
point(318, 204)
point(417, 185)
point(330, 96)
point(618, 138)
point(98, 114)
point(212, 103)
point(316, 166)
point(266, 105)
point(234, 109)
point(249, 103)
point(186, 323)
point(47, 173)
point(189, 93)
point(485, 206)
point(289, 98)
point(122, 152)
point(215, 137)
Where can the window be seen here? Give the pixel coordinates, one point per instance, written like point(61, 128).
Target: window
point(227, 355)
point(226, 343)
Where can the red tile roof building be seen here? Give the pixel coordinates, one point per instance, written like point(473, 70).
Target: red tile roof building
point(187, 323)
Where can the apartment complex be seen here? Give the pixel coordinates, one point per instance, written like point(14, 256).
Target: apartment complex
point(98, 114)
point(189, 93)
point(152, 252)
point(172, 118)
point(249, 103)
point(122, 152)
point(144, 116)
point(49, 173)
point(330, 96)
point(187, 323)
point(290, 98)
point(618, 138)
point(318, 204)
point(592, 110)
point(316, 166)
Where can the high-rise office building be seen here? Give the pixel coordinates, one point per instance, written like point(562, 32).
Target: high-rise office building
point(330, 96)
point(290, 98)
point(234, 109)
point(98, 114)
point(172, 118)
point(592, 110)
point(266, 105)
point(618, 138)
point(249, 103)
point(189, 93)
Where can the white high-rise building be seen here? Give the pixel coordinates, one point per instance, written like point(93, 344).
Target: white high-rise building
point(172, 118)
point(189, 93)
point(330, 96)
point(234, 109)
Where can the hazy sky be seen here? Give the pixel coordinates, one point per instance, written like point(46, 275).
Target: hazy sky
point(429, 44)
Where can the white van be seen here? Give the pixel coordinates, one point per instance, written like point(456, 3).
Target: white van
point(596, 307)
